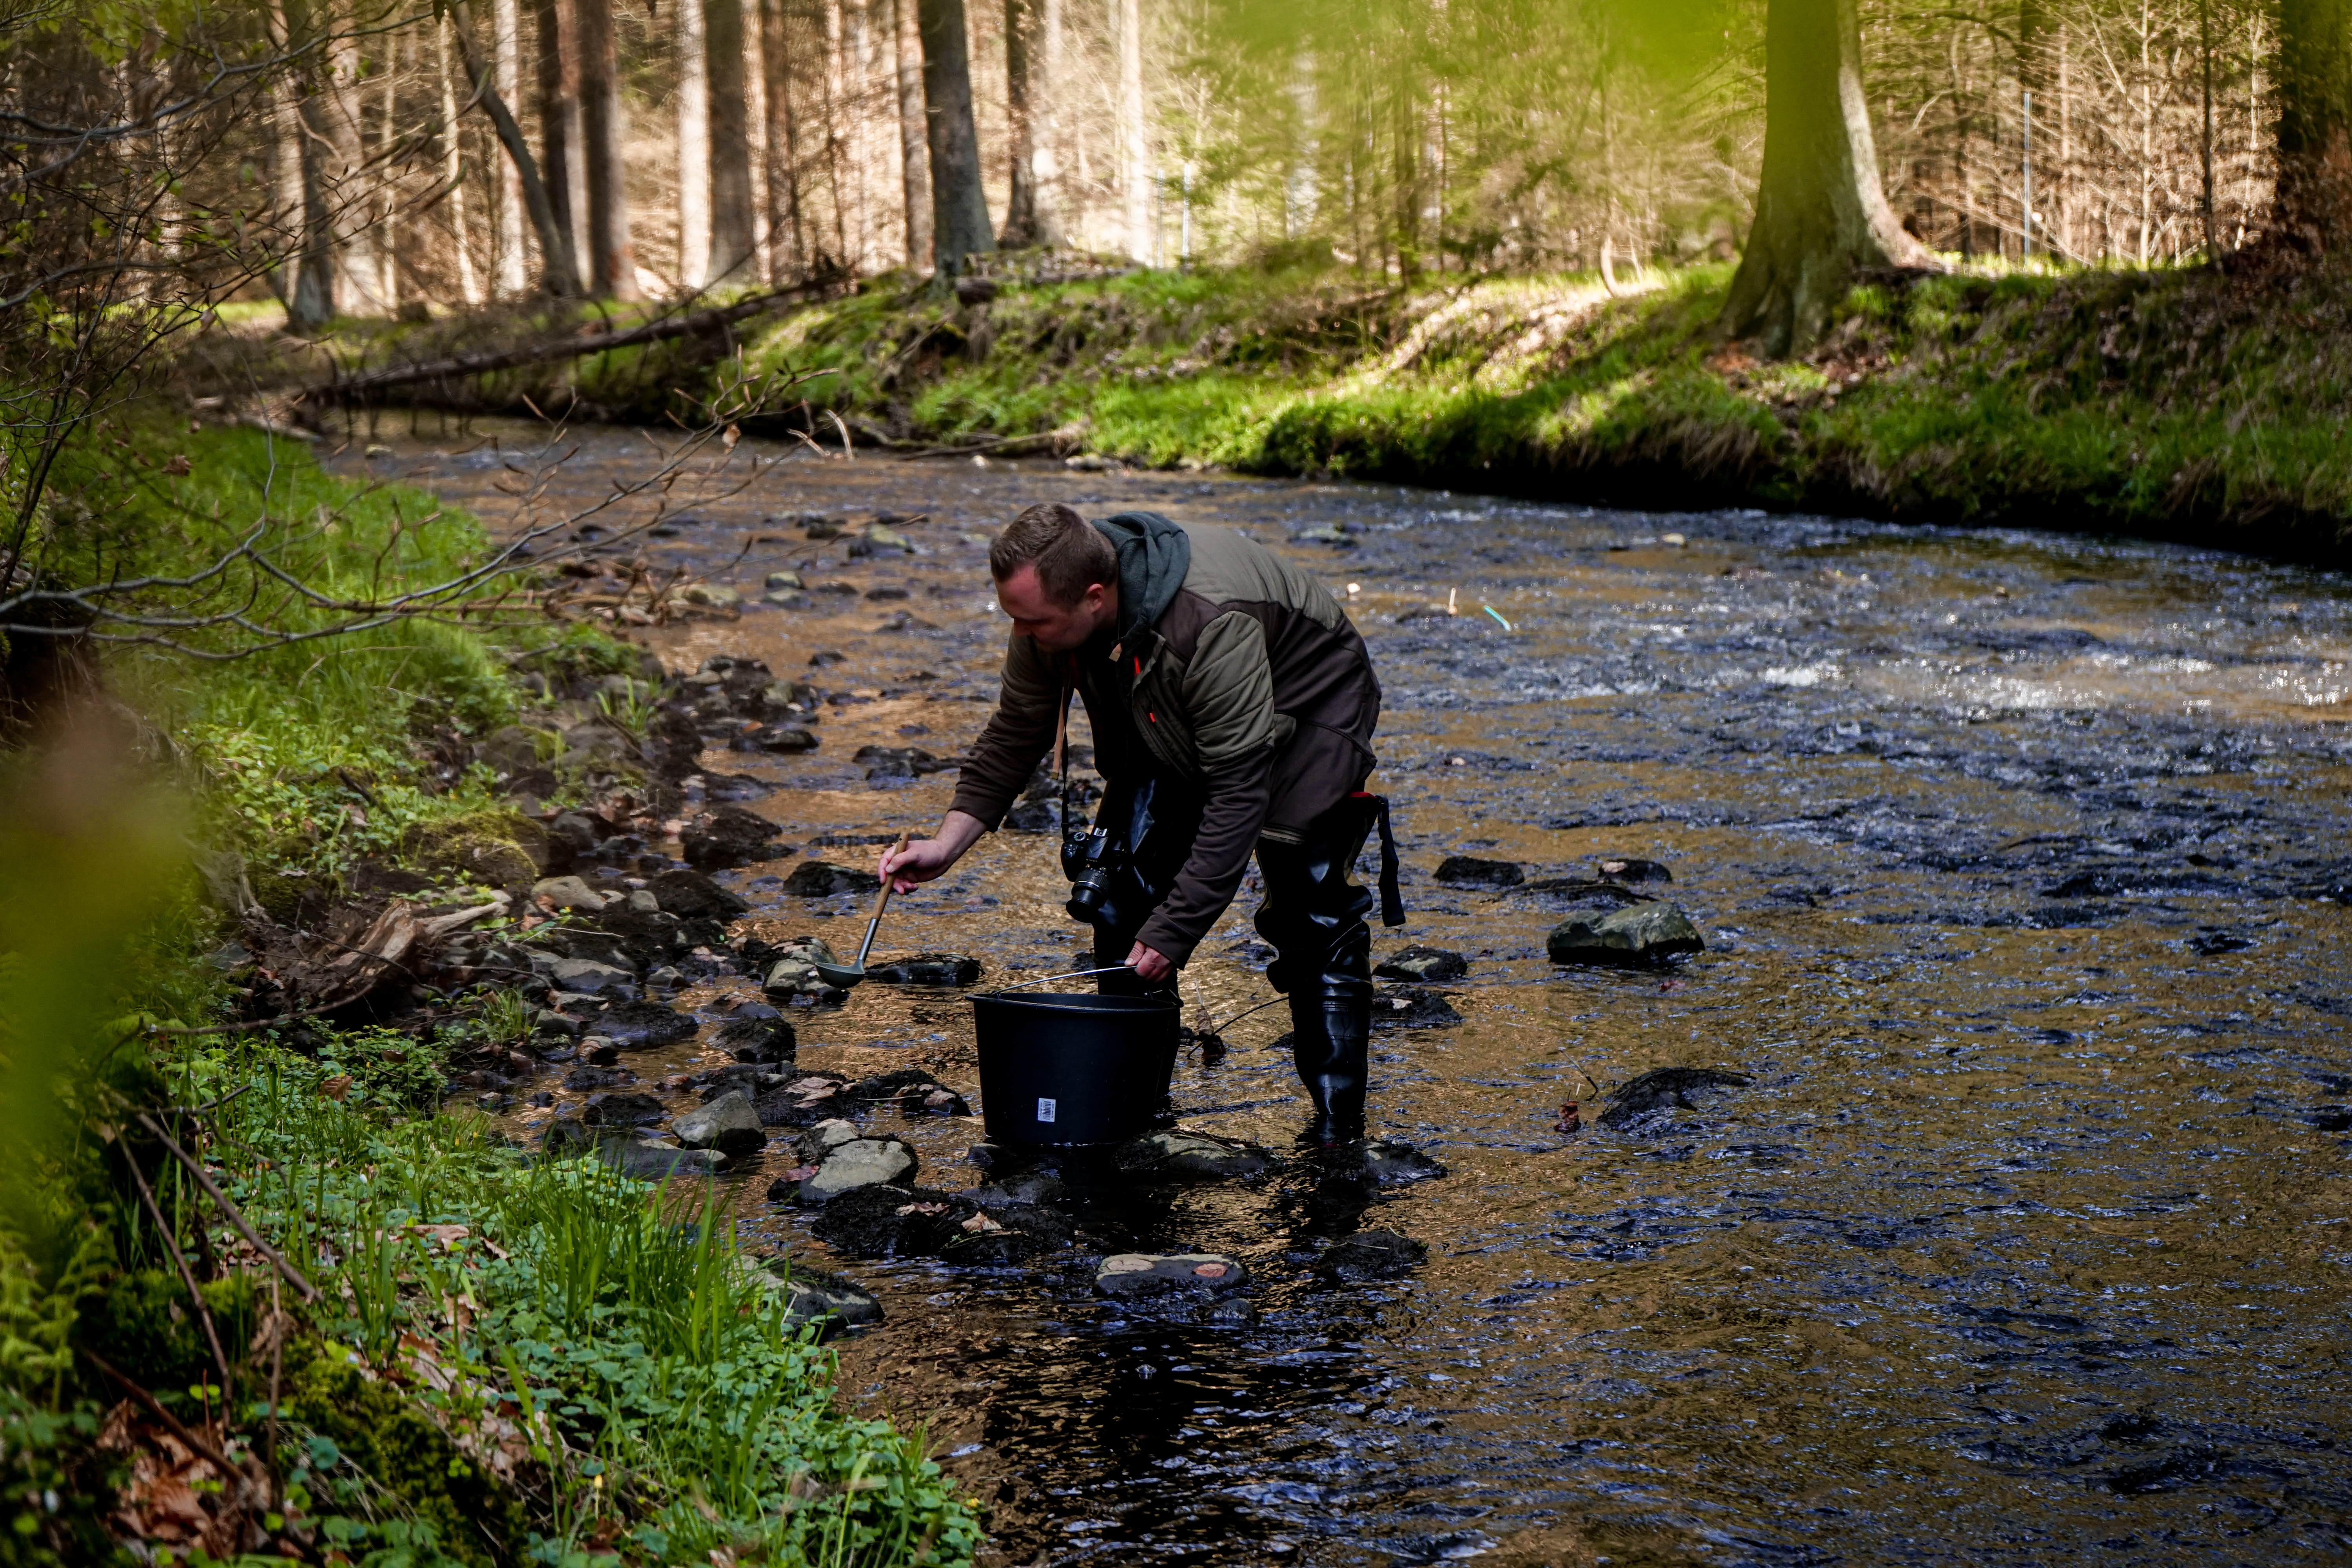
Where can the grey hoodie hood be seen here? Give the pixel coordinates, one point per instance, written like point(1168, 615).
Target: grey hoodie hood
point(1153, 557)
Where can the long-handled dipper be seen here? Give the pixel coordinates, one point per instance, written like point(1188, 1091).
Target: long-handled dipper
point(848, 975)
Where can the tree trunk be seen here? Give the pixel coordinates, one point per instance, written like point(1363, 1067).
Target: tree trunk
point(1048, 120)
point(960, 225)
point(453, 167)
point(731, 253)
point(348, 195)
point(308, 285)
point(2312, 207)
point(614, 260)
point(1134, 150)
point(561, 270)
point(914, 153)
point(1821, 214)
point(562, 150)
point(783, 148)
point(693, 146)
point(1021, 202)
point(513, 268)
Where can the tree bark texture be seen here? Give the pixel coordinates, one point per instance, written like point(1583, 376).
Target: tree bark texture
point(1820, 214)
point(562, 151)
point(1134, 149)
point(2312, 207)
point(693, 146)
point(914, 152)
point(959, 225)
point(614, 260)
point(352, 201)
point(1020, 51)
point(452, 165)
point(732, 254)
point(513, 268)
point(789, 240)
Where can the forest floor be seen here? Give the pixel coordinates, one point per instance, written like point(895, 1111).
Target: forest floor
point(263, 917)
point(2190, 404)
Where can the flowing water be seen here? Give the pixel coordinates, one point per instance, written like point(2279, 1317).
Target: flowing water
point(2021, 866)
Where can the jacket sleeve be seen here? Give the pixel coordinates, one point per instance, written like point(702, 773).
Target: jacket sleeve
point(1228, 692)
point(1005, 758)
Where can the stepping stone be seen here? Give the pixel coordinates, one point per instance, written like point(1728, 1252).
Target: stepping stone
point(1372, 1255)
point(1431, 965)
point(728, 1124)
point(1469, 871)
point(1642, 936)
point(1180, 1155)
point(858, 1162)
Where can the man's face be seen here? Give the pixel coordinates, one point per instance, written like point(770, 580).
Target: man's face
point(1057, 628)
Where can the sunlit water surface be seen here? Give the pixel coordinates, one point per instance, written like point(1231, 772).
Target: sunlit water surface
point(2021, 865)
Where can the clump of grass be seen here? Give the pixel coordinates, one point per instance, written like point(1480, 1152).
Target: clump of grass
point(646, 1371)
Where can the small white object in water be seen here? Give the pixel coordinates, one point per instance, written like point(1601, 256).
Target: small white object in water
point(1354, 589)
point(1449, 599)
point(1674, 539)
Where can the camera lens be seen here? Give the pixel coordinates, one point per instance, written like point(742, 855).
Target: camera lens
point(1086, 895)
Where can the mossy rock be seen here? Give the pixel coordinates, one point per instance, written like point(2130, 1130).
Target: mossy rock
point(140, 1322)
point(476, 1518)
point(292, 901)
point(495, 848)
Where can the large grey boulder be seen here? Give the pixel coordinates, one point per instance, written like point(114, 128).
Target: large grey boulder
point(1634, 937)
point(728, 1124)
point(858, 1162)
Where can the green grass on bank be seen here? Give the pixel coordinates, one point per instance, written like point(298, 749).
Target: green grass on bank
point(586, 1374)
point(2181, 404)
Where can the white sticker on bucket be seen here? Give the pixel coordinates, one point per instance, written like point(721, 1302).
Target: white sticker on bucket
point(1045, 1110)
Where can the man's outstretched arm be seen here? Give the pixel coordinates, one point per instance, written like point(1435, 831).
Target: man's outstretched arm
point(927, 858)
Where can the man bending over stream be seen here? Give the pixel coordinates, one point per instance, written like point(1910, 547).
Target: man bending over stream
point(1233, 706)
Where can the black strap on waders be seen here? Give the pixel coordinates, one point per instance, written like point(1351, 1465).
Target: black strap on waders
point(1391, 900)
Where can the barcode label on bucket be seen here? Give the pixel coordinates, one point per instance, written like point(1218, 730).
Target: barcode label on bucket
point(1045, 1110)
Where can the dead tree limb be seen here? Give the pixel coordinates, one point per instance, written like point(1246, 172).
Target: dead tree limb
point(364, 383)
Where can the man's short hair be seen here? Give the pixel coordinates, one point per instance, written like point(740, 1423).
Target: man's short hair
point(1070, 553)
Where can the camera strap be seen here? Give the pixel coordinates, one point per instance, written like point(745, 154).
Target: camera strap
point(1391, 900)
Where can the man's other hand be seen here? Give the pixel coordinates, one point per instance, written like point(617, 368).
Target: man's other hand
point(1150, 966)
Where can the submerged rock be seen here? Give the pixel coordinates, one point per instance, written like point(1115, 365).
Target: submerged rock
point(1469, 871)
point(1372, 1255)
point(804, 1102)
point(728, 1124)
point(1009, 1235)
point(643, 1025)
point(1428, 965)
point(883, 1221)
point(730, 835)
point(1410, 1007)
point(756, 1034)
point(1182, 1285)
point(623, 1109)
point(1378, 1162)
point(817, 1296)
point(1182, 1155)
point(911, 1091)
point(1642, 935)
point(1628, 868)
point(823, 879)
point(927, 969)
point(692, 895)
point(1667, 1089)
point(858, 1162)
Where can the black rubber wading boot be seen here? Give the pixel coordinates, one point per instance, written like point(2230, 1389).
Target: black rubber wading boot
point(1330, 1031)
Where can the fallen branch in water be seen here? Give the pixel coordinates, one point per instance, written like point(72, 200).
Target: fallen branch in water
point(459, 366)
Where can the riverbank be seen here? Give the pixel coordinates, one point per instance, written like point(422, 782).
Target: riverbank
point(2180, 404)
point(258, 1292)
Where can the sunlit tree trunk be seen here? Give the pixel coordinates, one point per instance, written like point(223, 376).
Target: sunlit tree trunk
point(1021, 201)
point(790, 240)
point(836, 110)
point(615, 261)
point(560, 272)
point(960, 225)
point(755, 140)
point(1049, 79)
point(693, 146)
point(381, 176)
point(1821, 214)
point(513, 267)
point(348, 194)
point(2313, 207)
point(301, 111)
point(1134, 150)
point(731, 255)
point(453, 167)
point(563, 153)
point(914, 149)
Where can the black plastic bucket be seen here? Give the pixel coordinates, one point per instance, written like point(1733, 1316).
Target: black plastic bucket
point(1073, 1069)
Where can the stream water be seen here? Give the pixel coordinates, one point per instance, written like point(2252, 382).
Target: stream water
point(2023, 869)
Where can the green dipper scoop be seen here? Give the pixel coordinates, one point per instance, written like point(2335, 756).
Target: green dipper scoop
point(848, 975)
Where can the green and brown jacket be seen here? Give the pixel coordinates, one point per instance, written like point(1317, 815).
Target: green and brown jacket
point(1233, 671)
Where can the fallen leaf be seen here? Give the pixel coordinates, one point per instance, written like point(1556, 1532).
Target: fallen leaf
point(337, 1087)
point(1210, 1270)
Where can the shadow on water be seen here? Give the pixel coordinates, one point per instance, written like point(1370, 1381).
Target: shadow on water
point(2022, 868)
